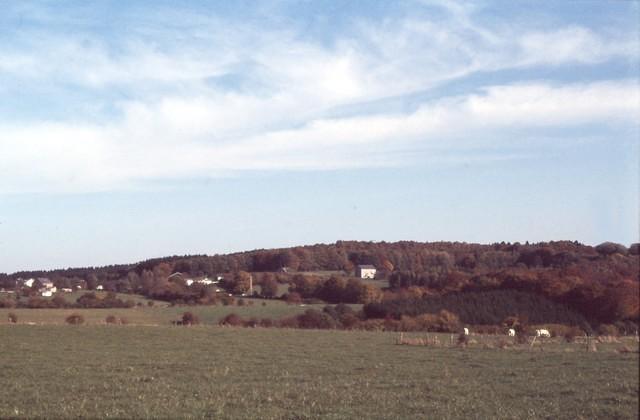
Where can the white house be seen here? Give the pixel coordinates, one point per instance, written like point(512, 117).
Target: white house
point(28, 282)
point(366, 271)
point(47, 293)
point(46, 283)
point(99, 287)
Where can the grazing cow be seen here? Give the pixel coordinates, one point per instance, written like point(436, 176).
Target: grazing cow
point(543, 333)
point(466, 331)
point(511, 332)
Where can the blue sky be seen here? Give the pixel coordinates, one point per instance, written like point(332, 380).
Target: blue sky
point(131, 130)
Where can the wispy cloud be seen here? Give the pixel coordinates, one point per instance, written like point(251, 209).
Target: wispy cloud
point(179, 140)
point(228, 97)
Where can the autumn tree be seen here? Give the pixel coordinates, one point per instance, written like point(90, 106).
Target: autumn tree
point(239, 283)
point(269, 285)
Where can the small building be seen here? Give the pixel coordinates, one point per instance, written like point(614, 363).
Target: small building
point(46, 283)
point(99, 287)
point(47, 293)
point(206, 281)
point(365, 271)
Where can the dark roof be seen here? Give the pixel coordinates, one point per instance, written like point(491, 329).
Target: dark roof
point(367, 266)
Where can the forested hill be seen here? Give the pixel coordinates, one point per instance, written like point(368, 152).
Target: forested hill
point(444, 261)
point(599, 282)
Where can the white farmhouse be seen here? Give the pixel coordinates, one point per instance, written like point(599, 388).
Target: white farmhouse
point(46, 283)
point(366, 271)
point(47, 293)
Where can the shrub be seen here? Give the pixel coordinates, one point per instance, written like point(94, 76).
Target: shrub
point(288, 322)
point(266, 322)
point(13, 318)
point(252, 322)
point(7, 303)
point(59, 302)
point(74, 319)
point(241, 302)
point(293, 298)
point(111, 319)
point(233, 320)
point(349, 320)
point(571, 334)
point(190, 319)
point(124, 321)
point(608, 329)
point(150, 303)
point(313, 319)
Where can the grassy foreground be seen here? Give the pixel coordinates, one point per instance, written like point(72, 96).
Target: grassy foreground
point(173, 372)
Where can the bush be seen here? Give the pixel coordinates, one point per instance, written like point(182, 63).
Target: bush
point(111, 319)
point(252, 322)
point(228, 300)
point(13, 318)
point(293, 298)
point(313, 319)
point(571, 334)
point(266, 322)
point(59, 302)
point(190, 319)
point(74, 319)
point(233, 320)
point(124, 321)
point(608, 329)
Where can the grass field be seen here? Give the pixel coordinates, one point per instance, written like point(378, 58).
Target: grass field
point(175, 372)
point(162, 315)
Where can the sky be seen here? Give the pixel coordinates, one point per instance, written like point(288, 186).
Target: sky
point(140, 129)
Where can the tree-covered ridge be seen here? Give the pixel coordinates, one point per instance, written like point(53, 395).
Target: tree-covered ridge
point(600, 283)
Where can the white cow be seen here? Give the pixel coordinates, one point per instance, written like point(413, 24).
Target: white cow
point(543, 333)
point(466, 331)
point(511, 332)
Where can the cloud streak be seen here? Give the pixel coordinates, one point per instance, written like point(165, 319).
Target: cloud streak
point(227, 97)
point(179, 140)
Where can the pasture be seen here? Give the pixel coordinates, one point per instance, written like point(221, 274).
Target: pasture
point(161, 314)
point(216, 372)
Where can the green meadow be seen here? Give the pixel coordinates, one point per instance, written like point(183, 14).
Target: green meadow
point(161, 313)
point(136, 371)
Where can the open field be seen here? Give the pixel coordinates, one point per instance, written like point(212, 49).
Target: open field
point(176, 372)
point(162, 315)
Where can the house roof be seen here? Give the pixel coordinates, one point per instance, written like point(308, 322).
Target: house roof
point(367, 266)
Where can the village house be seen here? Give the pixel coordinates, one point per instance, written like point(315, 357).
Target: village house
point(366, 271)
point(26, 282)
point(46, 283)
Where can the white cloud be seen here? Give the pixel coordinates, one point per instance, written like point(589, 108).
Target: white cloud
point(177, 140)
point(229, 97)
